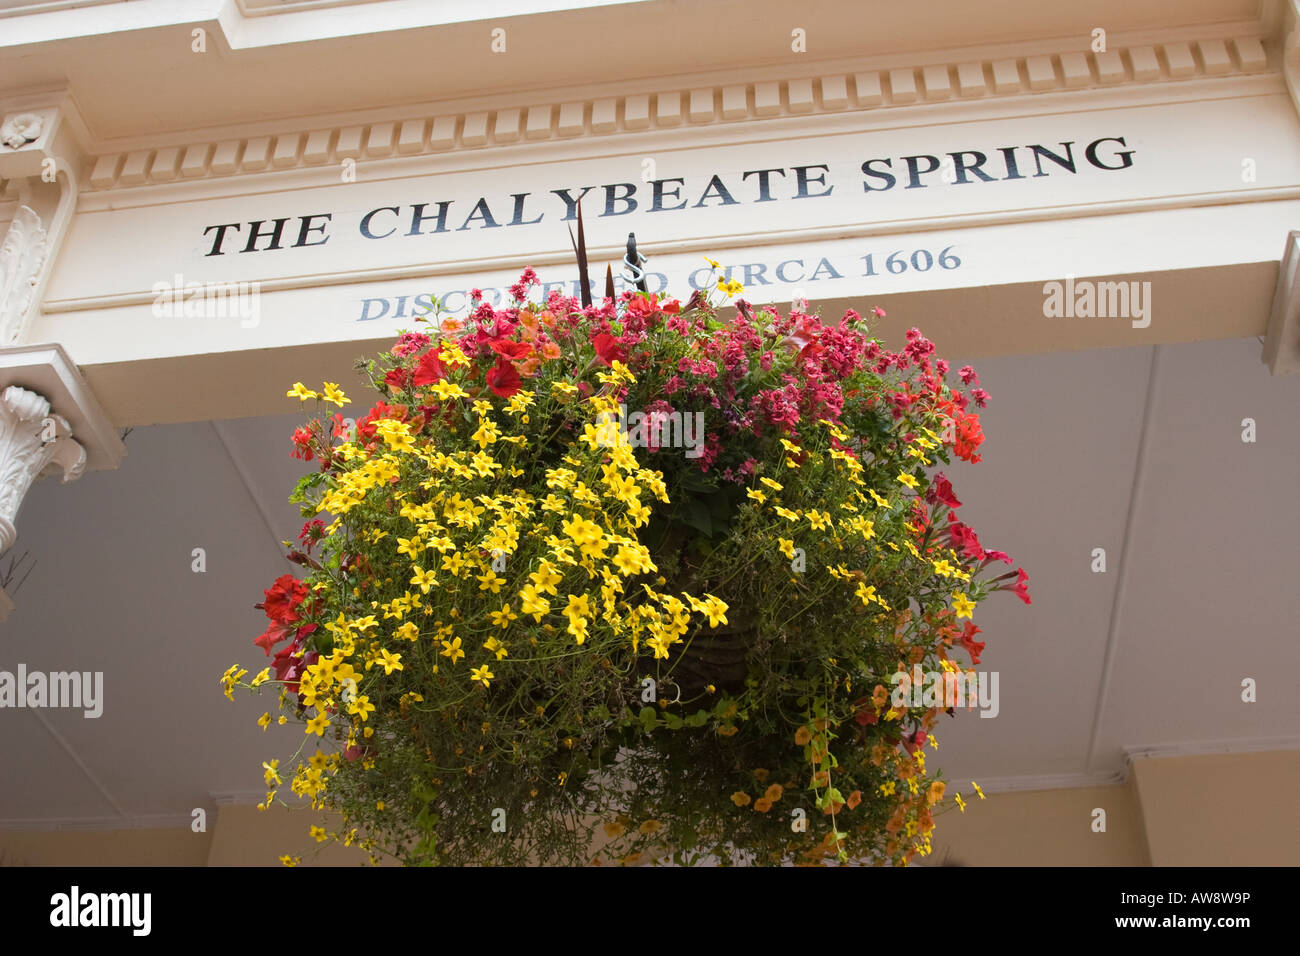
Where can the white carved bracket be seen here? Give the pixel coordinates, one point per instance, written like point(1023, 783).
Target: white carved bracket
point(50, 423)
point(34, 442)
point(41, 151)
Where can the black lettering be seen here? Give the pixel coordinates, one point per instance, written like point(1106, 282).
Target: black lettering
point(365, 222)
point(963, 167)
point(611, 197)
point(1126, 157)
point(418, 217)
point(307, 228)
point(1009, 157)
point(482, 213)
point(888, 178)
point(256, 233)
point(657, 205)
point(914, 172)
point(764, 185)
point(518, 218)
point(715, 188)
point(802, 179)
point(221, 236)
point(571, 204)
point(1065, 162)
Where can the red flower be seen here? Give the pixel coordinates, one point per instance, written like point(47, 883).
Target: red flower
point(283, 598)
point(607, 348)
point(302, 439)
point(398, 378)
point(969, 437)
point(976, 648)
point(366, 424)
point(503, 378)
point(941, 490)
point(511, 350)
point(1021, 590)
point(274, 634)
point(642, 306)
point(429, 369)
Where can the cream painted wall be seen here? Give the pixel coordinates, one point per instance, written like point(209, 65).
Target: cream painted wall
point(1043, 828)
point(1221, 809)
point(164, 847)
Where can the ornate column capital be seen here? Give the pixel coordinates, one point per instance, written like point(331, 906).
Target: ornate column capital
point(34, 442)
point(50, 423)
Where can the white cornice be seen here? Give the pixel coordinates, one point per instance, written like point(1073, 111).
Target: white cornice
point(472, 126)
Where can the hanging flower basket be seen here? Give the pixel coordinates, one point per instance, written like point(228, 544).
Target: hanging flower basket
point(592, 581)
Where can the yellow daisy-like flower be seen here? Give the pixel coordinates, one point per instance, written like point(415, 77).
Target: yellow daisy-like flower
point(264, 721)
point(317, 725)
point(774, 485)
point(318, 834)
point(962, 606)
point(452, 649)
point(334, 394)
point(288, 860)
point(483, 675)
point(961, 804)
point(977, 789)
point(908, 480)
point(301, 391)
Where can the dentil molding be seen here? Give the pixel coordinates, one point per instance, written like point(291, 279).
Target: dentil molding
point(711, 103)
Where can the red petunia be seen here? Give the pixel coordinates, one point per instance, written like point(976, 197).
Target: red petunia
point(274, 634)
point(941, 490)
point(607, 348)
point(976, 648)
point(398, 378)
point(283, 599)
point(511, 350)
point(429, 369)
point(503, 378)
point(1021, 589)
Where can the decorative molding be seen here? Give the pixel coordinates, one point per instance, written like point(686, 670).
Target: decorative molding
point(33, 443)
point(1200, 748)
point(20, 129)
point(710, 103)
point(22, 254)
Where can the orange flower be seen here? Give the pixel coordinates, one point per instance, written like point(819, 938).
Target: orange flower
point(649, 827)
point(547, 318)
point(762, 804)
point(879, 695)
point(614, 829)
point(822, 778)
point(740, 798)
point(729, 731)
point(451, 325)
point(936, 792)
point(528, 320)
point(528, 367)
point(550, 350)
point(802, 736)
point(774, 792)
point(854, 799)
point(760, 775)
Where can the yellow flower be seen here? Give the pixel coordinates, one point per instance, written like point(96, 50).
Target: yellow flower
point(288, 860)
point(407, 632)
point(318, 834)
point(786, 547)
point(503, 617)
point(775, 486)
point(482, 675)
point(317, 725)
point(301, 391)
point(497, 648)
point(977, 789)
point(908, 480)
point(452, 649)
point(423, 579)
point(740, 798)
point(962, 606)
point(711, 262)
point(335, 395)
point(961, 804)
point(756, 495)
point(264, 721)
